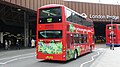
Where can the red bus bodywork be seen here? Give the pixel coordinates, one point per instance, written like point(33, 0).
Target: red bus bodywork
point(112, 34)
point(66, 47)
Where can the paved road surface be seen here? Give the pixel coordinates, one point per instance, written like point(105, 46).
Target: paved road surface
point(26, 58)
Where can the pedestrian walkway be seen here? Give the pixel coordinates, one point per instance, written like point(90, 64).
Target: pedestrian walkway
point(110, 58)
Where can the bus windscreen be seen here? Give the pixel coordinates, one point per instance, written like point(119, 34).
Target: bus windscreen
point(50, 15)
point(110, 27)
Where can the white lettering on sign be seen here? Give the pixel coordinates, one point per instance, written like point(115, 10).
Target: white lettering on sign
point(103, 17)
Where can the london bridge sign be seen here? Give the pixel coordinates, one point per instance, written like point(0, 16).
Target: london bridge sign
point(103, 17)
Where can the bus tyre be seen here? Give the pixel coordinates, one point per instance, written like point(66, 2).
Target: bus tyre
point(90, 48)
point(75, 55)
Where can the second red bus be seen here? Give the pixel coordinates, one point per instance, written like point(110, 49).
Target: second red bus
point(113, 34)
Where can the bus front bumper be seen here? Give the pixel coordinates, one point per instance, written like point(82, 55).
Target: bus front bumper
point(58, 57)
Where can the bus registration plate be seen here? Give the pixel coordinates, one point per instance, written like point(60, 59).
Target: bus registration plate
point(49, 57)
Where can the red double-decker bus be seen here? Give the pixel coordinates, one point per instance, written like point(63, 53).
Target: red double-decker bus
point(113, 34)
point(62, 34)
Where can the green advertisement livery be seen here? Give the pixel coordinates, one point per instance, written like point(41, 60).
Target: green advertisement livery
point(50, 48)
point(56, 48)
point(70, 52)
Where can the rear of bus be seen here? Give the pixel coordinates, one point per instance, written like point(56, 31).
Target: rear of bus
point(50, 30)
point(112, 35)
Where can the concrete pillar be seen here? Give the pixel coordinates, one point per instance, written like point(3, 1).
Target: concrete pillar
point(25, 38)
point(1, 37)
point(26, 30)
point(30, 34)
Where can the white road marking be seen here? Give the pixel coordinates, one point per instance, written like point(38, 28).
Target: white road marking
point(1, 54)
point(16, 59)
point(16, 56)
point(99, 49)
point(92, 58)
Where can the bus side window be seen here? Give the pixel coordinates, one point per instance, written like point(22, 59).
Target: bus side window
point(82, 38)
point(85, 38)
point(76, 39)
point(119, 27)
point(71, 39)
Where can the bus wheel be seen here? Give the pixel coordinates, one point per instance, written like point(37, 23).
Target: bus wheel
point(75, 55)
point(90, 48)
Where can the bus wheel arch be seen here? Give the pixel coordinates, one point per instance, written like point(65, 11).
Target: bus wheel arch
point(90, 48)
point(75, 55)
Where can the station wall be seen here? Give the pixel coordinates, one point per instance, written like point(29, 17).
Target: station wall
point(97, 12)
point(34, 4)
